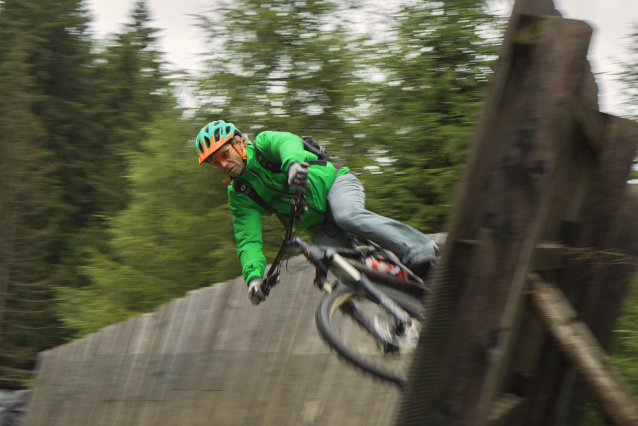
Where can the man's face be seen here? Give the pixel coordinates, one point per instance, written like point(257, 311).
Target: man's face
point(228, 160)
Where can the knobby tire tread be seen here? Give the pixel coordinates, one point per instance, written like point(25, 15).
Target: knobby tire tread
point(327, 331)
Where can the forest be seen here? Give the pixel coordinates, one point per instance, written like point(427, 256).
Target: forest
point(104, 211)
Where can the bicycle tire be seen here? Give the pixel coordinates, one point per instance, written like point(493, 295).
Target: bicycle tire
point(355, 344)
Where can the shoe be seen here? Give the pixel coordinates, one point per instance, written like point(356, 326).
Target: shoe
point(421, 264)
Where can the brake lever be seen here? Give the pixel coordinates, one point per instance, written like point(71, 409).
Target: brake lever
point(270, 282)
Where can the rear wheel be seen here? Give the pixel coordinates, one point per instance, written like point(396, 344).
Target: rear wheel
point(367, 336)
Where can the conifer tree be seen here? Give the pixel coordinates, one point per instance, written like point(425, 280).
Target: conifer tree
point(27, 320)
point(435, 72)
point(174, 236)
point(68, 120)
point(279, 65)
point(133, 84)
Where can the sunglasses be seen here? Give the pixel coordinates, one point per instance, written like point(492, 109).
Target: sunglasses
point(222, 154)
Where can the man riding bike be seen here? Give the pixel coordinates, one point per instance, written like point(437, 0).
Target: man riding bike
point(275, 165)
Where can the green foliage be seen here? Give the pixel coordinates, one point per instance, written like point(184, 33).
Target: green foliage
point(122, 218)
point(164, 243)
point(436, 70)
point(294, 67)
point(30, 201)
point(279, 64)
point(624, 353)
point(65, 130)
point(629, 78)
point(175, 235)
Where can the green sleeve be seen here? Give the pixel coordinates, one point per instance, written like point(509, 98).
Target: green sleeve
point(247, 227)
point(281, 146)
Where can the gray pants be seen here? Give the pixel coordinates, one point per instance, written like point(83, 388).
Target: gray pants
point(346, 199)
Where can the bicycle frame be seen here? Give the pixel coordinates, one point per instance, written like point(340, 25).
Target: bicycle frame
point(324, 258)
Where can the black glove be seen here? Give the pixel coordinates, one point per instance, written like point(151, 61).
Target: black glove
point(298, 177)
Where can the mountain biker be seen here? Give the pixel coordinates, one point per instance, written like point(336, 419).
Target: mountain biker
point(335, 197)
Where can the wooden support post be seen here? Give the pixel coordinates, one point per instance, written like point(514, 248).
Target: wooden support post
point(480, 351)
point(504, 409)
point(583, 350)
point(545, 165)
point(608, 222)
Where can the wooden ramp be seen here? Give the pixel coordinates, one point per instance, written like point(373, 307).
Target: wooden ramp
point(211, 358)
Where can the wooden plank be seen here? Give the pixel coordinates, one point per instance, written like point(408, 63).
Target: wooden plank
point(301, 328)
point(602, 302)
point(585, 353)
point(154, 373)
point(268, 378)
point(111, 394)
point(547, 255)
point(228, 340)
point(191, 377)
point(52, 408)
point(101, 373)
point(489, 140)
point(43, 388)
point(170, 359)
point(159, 319)
point(86, 381)
point(519, 202)
point(217, 299)
point(608, 222)
point(188, 377)
point(180, 395)
point(591, 122)
point(133, 367)
point(70, 385)
point(503, 410)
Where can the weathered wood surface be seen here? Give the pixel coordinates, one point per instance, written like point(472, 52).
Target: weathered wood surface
point(545, 166)
point(210, 358)
point(585, 353)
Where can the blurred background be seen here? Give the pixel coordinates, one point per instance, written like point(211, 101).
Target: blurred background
point(104, 212)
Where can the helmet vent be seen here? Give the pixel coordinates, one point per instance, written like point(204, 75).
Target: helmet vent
point(216, 135)
point(206, 142)
point(206, 129)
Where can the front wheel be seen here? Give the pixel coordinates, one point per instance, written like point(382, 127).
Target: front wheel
point(361, 331)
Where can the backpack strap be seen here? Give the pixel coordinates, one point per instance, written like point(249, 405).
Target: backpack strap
point(275, 167)
point(268, 165)
point(247, 190)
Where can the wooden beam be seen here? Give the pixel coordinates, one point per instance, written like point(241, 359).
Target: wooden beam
point(503, 410)
point(585, 353)
point(591, 122)
point(547, 255)
point(607, 222)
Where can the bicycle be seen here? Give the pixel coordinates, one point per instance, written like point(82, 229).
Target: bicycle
point(371, 317)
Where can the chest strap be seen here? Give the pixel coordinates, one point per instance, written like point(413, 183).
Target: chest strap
point(252, 194)
point(275, 167)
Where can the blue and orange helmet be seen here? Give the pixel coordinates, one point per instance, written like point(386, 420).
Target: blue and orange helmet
point(212, 137)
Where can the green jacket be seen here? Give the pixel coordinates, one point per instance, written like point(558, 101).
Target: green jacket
point(277, 147)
